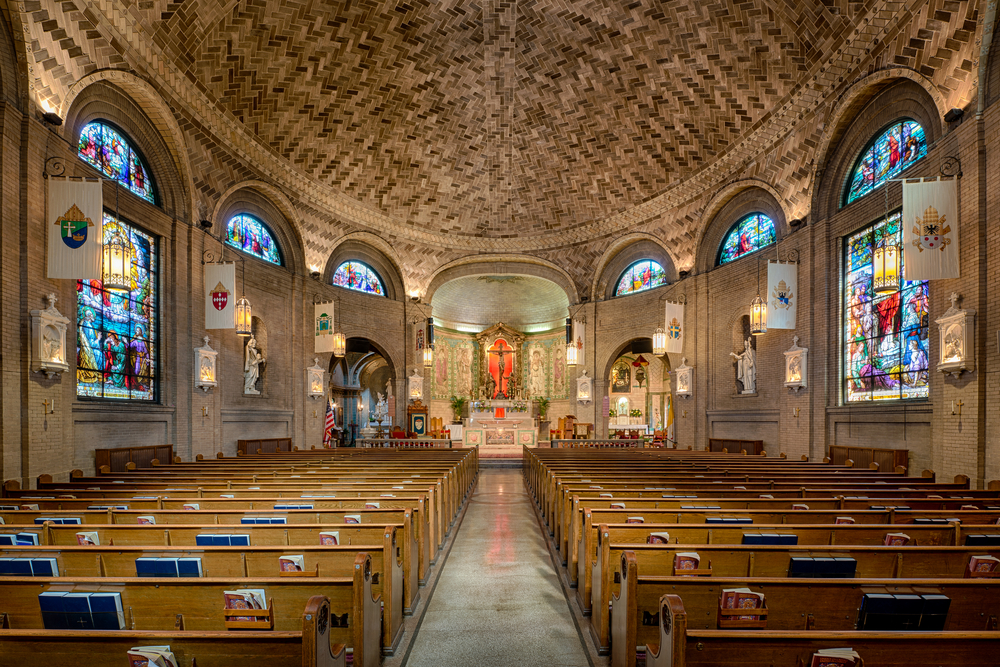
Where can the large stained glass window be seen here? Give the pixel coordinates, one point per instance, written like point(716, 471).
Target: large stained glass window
point(250, 235)
point(359, 277)
point(893, 150)
point(641, 276)
point(885, 335)
point(116, 353)
point(106, 148)
point(748, 235)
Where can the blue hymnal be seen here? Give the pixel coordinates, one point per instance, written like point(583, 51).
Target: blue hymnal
point(58, 520)
point(982, 540)
point(146, 567)
point(8, 540)
point(53, 616)
point(188, 567)
point(106, 611)
point(107, 507)
point(239, 540)
point(15, 567)
point(76, 606)
point(44, 567)
point(293, 507)
point(204, 540)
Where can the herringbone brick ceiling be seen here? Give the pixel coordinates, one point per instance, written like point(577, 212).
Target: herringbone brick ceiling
point(547, 121)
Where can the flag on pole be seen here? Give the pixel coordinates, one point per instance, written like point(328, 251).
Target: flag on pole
point(76, 230)
point(930, 230)
point(671, 437)
point(673, 325)
point(330, 423)
point(220, 298)
point(323, 327)
point(782, 294)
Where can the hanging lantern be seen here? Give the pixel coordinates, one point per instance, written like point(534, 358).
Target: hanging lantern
point(885, 269)
point(571, 358)
point(116, 267)
point(428, 357)
point(659, 342)
point(244, 315)
point(339, 345)
point(758, 316)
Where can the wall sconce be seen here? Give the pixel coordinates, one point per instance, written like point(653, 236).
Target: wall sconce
point(795, 365)
point(685, 379)
point(206, 365)
point(955, 332)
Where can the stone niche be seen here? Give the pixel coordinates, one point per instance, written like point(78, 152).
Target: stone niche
point(48, 340)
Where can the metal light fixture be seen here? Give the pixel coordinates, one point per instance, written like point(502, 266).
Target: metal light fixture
point(117, 262)
point(659, 342)
point(429, 349)
point(339, 345)
point(243, 312)
point(428, 357)
point(571, 359)
point(886, 260)
point(758, 310)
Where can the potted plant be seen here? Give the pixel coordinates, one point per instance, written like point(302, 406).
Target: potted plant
point(457, 405)
point(543, 408)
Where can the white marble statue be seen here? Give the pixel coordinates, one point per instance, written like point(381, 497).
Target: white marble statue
point(746, 367)
point(381, 408)
point(252, 367)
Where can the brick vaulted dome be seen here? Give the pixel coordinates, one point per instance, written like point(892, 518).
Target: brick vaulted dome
point(521, 126)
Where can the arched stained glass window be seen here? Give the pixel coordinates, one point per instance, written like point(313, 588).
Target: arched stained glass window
point(885, 335)
point(750, 234)
point(893, 150)
point(641, 276)
point(116, 331)
point(359, 277)
point(106, 148)
point(247, 233)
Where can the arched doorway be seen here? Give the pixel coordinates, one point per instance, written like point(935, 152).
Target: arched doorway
point(362, 387)
point(638, 389)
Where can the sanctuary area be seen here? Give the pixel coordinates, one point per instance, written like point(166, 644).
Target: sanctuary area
point(526, 332)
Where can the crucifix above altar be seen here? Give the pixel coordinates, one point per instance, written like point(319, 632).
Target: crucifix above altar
point(501, 369)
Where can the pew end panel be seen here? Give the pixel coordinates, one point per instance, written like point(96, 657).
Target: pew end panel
point(367, 630)
point(317, 649)
point(673, 626)
point(623, 614)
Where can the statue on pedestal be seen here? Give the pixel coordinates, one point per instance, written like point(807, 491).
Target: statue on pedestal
point(746, 367)
point(252, 367)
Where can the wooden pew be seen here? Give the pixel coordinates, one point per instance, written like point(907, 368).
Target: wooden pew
point(680, 646)
point(153, 605)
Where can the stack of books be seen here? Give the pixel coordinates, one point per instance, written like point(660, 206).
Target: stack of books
point(245, 598)
point(903, 611)
point(151, 656)
point(168, 567)
point(29, 567)
point(216, 540)
point(686, 561)
point(835, 657)
point(81, 611)
point(19, 539)
point(740, 598)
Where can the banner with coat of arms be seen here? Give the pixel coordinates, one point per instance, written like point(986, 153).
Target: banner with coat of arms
point(579, 330)
point(323, 327)
point(76, 230)
point(673, 325)
point(930, 230)
point(220, 297)
point(782, 294)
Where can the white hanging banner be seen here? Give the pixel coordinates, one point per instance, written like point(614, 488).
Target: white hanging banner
point(930, 230)
point(76, 231)
point(323, 327)
point(220, 296)
point(579, 330)
point(782, 294)
point(673, 325)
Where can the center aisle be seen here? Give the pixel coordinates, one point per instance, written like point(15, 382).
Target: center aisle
point(498, 600)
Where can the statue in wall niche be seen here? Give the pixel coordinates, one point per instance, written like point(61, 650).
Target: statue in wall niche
point(746, 367)
point(252, 367)
point(388, 389)
point(51, 345)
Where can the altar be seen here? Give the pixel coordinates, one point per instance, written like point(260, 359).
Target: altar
point(498, 425)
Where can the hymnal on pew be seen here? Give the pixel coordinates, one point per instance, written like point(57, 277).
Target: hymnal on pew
point(81, 611)
point(617, 506)
point(371, 506)
point(329, 538)
point(739, 598)
point(835, 657)
point(291, 563)
point(191, 506)
point(982, 566)
point(352, 518)
point(658, 538)
point(88, 539)
point(686, 561)
point(148, 519)
point(844, 519)
point(245, 598)
point(151, 656)
point(896, 540)
point(634, 519)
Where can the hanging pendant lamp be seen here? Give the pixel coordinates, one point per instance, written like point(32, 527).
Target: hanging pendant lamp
point(758, 310)
point(886, 259)
point(117, 257)
point(243, 310)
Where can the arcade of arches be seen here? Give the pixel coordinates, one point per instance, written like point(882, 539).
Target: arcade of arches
point(470, 177)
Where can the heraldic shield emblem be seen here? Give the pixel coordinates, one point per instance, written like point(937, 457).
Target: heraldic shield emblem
point(674, 330)
point(931, 232)
point(782, 295)
point(73, 224)
point(220, 296)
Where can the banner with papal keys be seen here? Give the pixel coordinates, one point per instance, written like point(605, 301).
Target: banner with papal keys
point(323, 327)
point(220, 296)
point(76, 230)
point(782, 294)
point(930, 229)
point(673, 325)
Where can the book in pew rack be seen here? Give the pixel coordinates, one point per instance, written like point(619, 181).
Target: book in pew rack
point(151, 656)
point(844, 520)
point(982, 566)
point(291, 563)
point(634, 519)
point(245, 598)
point(896, 540)
point(658, 538)
point(836, 657)
point(145, 520)
point(329, 538)
point(352, 518)
point(88, 539)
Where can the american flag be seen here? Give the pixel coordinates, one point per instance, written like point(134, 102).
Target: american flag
point(330, 424)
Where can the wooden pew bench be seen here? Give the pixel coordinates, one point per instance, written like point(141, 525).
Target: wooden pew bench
point(198, 605)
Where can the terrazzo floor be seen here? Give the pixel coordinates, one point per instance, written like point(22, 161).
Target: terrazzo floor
point(498, 601)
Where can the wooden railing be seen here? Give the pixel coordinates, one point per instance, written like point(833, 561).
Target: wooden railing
point(263, 446)
point(753, 447)
point(595, 444)
point(887, 459)
point(118, 459)
point(440, 443)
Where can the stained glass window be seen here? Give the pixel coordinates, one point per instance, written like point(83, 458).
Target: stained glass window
point(116, 351)
point(641, 276)
point(750, 234)
point(359, 277)
point(896, 148)
point(107, 149)
point(885, 335)
point(250, 235)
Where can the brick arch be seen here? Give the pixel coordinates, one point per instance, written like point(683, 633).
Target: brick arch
point(864, 109)
point(134, 105)
point(376, 253)
point(727, 207)
point(502, 265)
point(622, 253)
point(273, 208)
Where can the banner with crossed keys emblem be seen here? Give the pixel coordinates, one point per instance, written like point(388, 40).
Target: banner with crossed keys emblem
point(782, 295)
point(674, 326)
point(930, 230)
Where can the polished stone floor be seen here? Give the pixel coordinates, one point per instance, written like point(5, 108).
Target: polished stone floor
point(498, 601)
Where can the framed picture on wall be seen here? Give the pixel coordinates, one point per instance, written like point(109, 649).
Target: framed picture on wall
point(621, 378)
